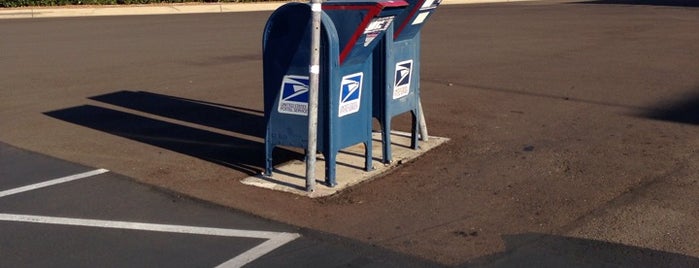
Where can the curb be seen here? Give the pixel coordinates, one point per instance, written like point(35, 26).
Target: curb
point(91, 11)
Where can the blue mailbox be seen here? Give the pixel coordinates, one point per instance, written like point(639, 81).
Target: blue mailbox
point(397, 71)
point(351, 30)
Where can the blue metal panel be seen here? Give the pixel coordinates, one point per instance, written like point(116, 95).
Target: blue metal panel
point(361, 24)
point(286, 55)
point(397, 71)
point(409, 22)
point(345, 95)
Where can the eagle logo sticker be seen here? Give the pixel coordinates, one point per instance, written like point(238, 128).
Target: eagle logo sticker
point(350, 94)
point(401, 86)
point(293, 98)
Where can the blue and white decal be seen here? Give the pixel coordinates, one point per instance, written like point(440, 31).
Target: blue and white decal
point(293, 98)
point(420, 18)
point(429, 4)
point(350, 94)
point(427, 7)
point(401, 85)
point(376, 27)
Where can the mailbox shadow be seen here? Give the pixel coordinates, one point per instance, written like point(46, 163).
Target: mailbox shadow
point(243, 155)
point(542, 250)
point(675, 3)
point(684, 111)
point(301, 179)
point(234, 119)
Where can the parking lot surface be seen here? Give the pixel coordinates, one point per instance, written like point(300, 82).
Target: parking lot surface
point(92, 217)
point(574, 129)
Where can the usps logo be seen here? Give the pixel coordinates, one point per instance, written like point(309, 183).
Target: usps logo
point(350, 94)
point(293, 98)
point(401, 86)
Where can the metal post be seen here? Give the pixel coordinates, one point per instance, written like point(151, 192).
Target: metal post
point(314, 81)
point(423, 124)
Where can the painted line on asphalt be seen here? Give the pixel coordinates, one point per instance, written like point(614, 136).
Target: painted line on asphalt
point(52, 182)
point(260, 250)
point(275, 239)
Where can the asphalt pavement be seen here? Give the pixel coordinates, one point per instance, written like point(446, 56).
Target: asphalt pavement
point(162, 9)
point(573, 130)
point(55, 213)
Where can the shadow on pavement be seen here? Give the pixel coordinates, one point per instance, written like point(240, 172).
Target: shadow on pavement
point(541, 250)
point(203, 113)
point(676, 3)
point(684, 111)
point(243, 155)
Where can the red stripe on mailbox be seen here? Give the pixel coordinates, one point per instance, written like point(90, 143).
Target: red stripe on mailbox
point(373, 10)
point(408, 19)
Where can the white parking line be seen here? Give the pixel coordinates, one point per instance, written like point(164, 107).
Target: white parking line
point(260, 250)
point(52, 182)
point(275, 239)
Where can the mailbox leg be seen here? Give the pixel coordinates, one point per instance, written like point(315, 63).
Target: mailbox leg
point(386, 138)
point(330, 161)
point(413, 135)
point(268, 159)
point(368, 155)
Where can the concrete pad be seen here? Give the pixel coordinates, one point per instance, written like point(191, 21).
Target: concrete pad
point(291, 176)
point(247, 7)
point(124, 10)
point(16, 14)
point(127, 10)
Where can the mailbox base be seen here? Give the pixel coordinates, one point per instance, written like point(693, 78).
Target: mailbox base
point(290, 176)
point(385, 123)
point(397, 87)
